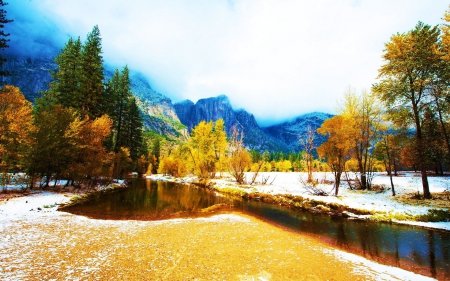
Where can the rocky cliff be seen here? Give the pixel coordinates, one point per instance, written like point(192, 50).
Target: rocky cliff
point(211, 109)
point(31, 75)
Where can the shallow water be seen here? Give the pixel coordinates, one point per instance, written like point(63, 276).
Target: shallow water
point(416, 249)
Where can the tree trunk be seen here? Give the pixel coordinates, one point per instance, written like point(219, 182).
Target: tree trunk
point(420, 150)
point(337, 183)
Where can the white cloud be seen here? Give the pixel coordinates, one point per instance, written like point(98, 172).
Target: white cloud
point(277, 59)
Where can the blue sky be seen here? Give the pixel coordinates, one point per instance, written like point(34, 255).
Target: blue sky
point(276, 59)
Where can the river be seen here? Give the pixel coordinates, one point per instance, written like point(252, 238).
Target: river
point(412, 248)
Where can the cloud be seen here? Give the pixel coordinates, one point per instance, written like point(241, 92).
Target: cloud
point(276, 59)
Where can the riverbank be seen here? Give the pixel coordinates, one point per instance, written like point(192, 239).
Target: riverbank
point(377, 205)
point(39, 243)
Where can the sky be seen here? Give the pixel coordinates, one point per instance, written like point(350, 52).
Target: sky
point(277, 59)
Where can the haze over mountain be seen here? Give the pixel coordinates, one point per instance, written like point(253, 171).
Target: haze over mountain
point(276, 59)
point(31, 60)
point(32, 76)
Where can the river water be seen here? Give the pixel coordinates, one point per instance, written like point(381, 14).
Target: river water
point(416, 249)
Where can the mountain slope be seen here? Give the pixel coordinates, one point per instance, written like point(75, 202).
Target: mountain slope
point(211, 109)
point(32, 75)
point(289, 132)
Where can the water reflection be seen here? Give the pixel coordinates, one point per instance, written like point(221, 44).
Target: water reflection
point(422, 251)
point(149, 200)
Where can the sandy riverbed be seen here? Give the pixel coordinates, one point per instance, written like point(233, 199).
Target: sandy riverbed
point(50, 245)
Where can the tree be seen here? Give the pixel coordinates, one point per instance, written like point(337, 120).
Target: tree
point(65, 87)
point(91, 78)
point(383, 150)
point(89, 154)
point(308, 145)
point(3, 36)
point(367, 118)
point(134, 127)
point(412, 60)
point(52, 143)
point(78, 79)
point(240, 159)
point(117, 96)
point(340, 131)
point(205, 147)
point(15, 126)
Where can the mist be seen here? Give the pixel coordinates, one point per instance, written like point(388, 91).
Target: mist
point(275, 59)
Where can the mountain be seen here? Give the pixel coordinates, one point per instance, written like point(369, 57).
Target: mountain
point(290, 131)
point(32, 75)
point(211, 109)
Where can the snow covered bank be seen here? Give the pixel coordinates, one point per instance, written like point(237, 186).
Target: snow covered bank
point(376, 205)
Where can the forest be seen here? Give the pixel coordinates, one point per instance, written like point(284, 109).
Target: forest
point(88, 130)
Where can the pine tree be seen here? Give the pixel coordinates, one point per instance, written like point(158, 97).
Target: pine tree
point(135, 125)
point(117, 97)
point(65, 87)
point(91, 78)
point(3, 36)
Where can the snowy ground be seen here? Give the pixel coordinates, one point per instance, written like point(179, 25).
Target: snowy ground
point(38, 215)
point(289, 183)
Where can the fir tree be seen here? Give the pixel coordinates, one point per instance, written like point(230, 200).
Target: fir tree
point(91, 78)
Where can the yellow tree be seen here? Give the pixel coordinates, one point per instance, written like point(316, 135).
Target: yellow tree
point(336, 150)
point(89, 153)
point(367, 117)
point(15, 125)
point(413, 61)
point(220, 143)
point(240, 160)
point(205, 147)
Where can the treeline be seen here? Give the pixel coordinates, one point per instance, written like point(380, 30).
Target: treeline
point(86, 129)
point(404, 119)
point(83, 129)
point(401, 123)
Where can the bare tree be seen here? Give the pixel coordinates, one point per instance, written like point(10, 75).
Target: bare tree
point(308, 145)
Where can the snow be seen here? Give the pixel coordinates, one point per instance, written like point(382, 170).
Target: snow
point(378, 271)
point(29, 210)
point(290, 183)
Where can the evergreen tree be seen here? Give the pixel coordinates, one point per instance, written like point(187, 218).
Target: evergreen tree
point(78, 79)
point(91, 78)
point(134, 130)
point(3, 36)
point(117, 97)
point(65, 87)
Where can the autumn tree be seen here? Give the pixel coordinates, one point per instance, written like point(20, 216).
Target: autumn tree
point(173, 164)
point(367, 117)
point(340, 131)
point(240, 159)
point(15, 125)
point(412, 61)
point(89, 157)
point(205, 147)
